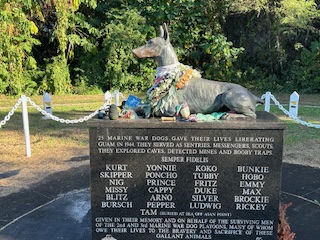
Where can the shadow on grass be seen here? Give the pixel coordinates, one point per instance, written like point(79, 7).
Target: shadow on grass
point(9, 174)
point(79, 159)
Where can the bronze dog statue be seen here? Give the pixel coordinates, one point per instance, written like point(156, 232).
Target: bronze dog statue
point(177, 84)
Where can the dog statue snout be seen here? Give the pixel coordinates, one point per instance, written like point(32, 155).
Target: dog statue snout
point(136, 53)
point(148, 50)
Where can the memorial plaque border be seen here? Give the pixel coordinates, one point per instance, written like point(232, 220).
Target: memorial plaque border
point(265, 125)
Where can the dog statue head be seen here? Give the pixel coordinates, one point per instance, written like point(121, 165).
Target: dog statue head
point(158, 48)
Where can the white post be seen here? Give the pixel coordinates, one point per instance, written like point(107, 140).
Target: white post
point(117, 98)
point(25, 119)
point(267, 102)
point(293, 105)
point(47, 104)
point(107, 98)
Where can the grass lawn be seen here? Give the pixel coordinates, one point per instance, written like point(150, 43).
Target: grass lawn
point(53, 144)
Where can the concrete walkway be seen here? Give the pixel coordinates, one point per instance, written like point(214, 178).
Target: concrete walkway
point(59, 207)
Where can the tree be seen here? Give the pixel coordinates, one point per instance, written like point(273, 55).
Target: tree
point(113, 66)
point(192, 26)
point(17, 65)
point(64, 46)
point(297, 16)
point(57, 76)
point(270, 31)
point(63, 29)
point(196, 33)
point(245, 6)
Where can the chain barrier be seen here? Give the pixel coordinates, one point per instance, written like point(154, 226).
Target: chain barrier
point(105, 106)
point(11, 112)
point(49, 115)
point(277, 103)
point(61, 120)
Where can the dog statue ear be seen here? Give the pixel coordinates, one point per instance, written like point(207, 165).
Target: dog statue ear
point(161, 32)
point(166, 33)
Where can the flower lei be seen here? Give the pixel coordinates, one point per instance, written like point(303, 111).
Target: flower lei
point(163, 93)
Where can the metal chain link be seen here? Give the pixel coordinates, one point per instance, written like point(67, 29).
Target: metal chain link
point(105, 106)
point(290, 115)
point(67, 121)
point(11, 112)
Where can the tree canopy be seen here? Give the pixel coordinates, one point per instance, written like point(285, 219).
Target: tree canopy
point(84, 46)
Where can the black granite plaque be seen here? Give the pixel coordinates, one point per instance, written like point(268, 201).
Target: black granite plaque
point(155, 180)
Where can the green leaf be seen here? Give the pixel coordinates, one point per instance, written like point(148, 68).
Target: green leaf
point(31, 63)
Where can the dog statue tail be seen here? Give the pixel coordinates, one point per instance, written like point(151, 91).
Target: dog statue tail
point(258, 100)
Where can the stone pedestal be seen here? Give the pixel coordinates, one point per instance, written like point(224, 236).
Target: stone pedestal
point(180, 180)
